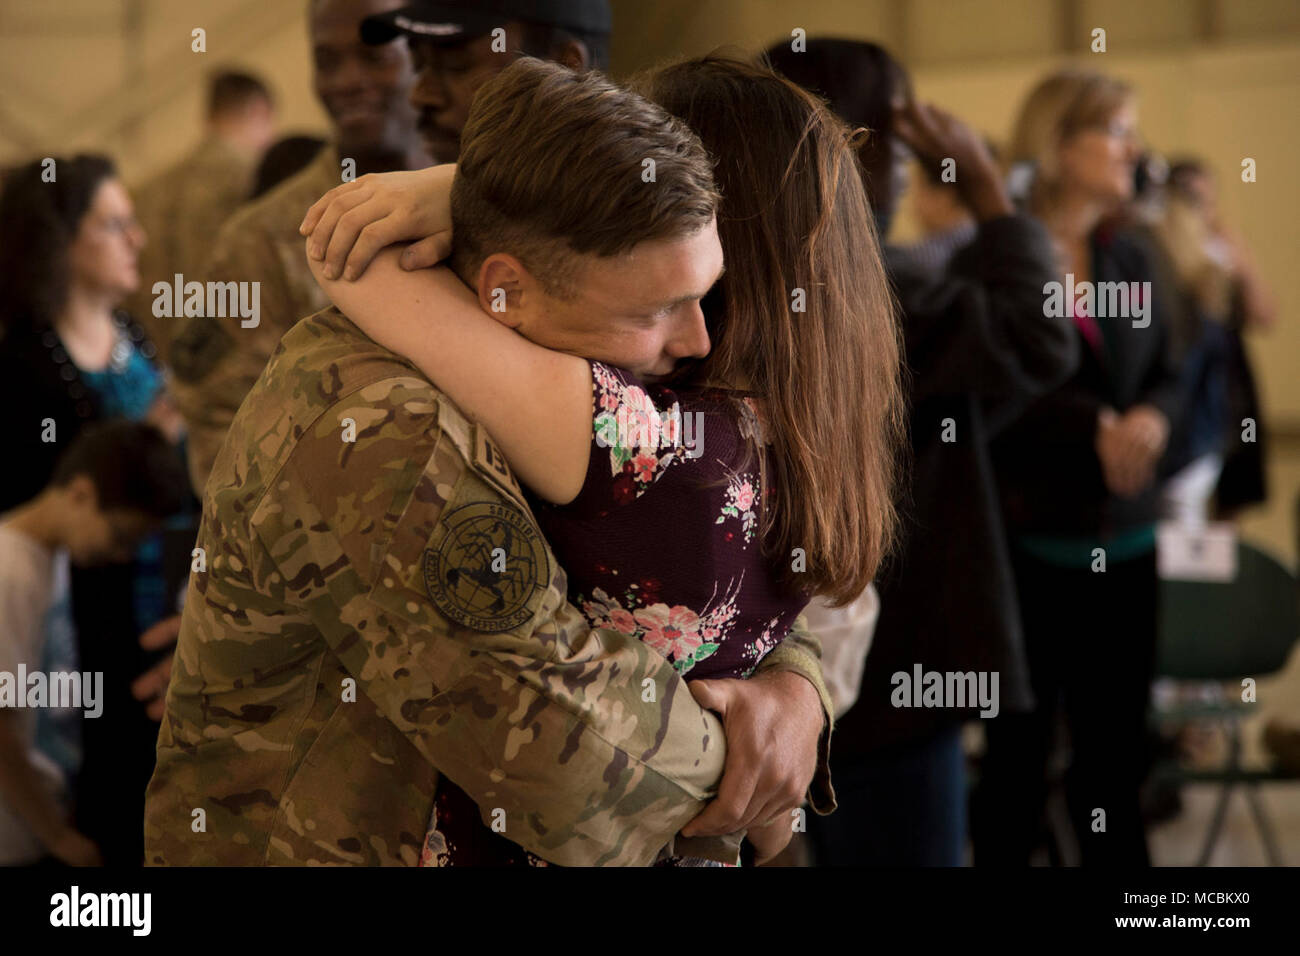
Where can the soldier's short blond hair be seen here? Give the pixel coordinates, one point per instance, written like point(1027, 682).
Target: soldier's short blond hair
point(555, 162)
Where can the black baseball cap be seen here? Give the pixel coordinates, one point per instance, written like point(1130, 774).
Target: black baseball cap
point(451, 21)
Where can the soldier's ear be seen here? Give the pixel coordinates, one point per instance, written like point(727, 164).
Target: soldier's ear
point(572, 53)
point(504, 286)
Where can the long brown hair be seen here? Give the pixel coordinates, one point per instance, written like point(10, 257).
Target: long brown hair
point(41, 219)
point(795, 218)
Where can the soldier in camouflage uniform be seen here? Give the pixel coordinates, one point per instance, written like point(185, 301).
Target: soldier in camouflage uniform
point(351, 638)
point(215, 367)
point(182, 208)
point(215, 361)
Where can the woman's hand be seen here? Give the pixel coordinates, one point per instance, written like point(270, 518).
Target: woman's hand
point(934, 136)
point(1129, 447)
point(348, 226)
point(773, 723)
point(166, 417)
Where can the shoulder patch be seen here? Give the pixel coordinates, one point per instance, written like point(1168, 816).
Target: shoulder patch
point(491, 464)
point(485, 565)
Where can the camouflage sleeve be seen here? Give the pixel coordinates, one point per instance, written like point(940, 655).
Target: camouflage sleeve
point(216, 361)
point(587, 742)
point(801, 652)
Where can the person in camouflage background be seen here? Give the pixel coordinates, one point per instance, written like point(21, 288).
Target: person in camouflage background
point(349, 638)
point(215, 362)
point(182, 208)
point(365, 90)
point(215, 365)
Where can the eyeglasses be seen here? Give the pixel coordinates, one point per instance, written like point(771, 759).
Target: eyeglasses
point(119, 225)
point(1119, 130)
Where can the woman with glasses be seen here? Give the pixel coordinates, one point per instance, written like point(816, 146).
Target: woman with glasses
point(1078, 478)
point(69, 357)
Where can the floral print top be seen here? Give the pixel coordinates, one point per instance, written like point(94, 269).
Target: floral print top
point(661, 544)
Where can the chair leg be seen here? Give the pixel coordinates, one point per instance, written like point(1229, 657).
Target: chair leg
point(1216, 824)
point(1062, 845)
point(1233, 765)
point(1265, 828)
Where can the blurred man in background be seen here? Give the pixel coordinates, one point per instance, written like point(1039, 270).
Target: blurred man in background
point(458, 46)
point(365, 90)
point(215, 361)
point(379, 93)
point(366, 78)
point(182, 208)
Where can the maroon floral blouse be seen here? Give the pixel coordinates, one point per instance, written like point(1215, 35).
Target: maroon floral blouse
point(662, 545)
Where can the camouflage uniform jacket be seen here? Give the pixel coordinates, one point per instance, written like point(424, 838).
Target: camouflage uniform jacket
point(215, 361)
point(377, 608)
point(181, 210)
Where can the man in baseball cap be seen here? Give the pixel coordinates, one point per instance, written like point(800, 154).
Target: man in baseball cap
point(458, 46)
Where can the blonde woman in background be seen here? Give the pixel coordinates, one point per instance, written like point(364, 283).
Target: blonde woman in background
point(1079, 492)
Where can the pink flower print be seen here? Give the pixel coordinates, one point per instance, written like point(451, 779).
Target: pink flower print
point(604, 376)
point(643, 422)
point(673, 632)
point(622, 620)
point(645, 466)
point(745, 496)
point(608, 401)
point(740, 504)
point(671, 427)
point(759, 648)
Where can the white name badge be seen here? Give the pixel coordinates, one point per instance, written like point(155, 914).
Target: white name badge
point(1201, 552)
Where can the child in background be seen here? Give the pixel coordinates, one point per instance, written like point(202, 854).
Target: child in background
point(115, 484)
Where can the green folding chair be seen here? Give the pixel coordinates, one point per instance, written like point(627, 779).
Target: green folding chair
point(1224, 632)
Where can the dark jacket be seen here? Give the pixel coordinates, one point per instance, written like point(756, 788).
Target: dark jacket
point(1245, 469)
point(1048, 469)
point(38, 381)
point(978, 349)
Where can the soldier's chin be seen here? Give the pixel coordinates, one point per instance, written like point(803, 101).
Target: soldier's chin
point(659, 374)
